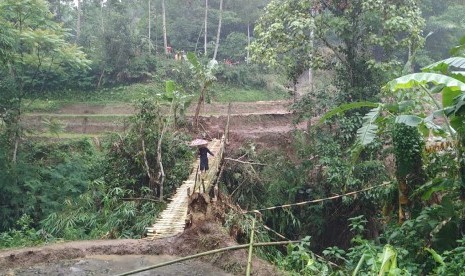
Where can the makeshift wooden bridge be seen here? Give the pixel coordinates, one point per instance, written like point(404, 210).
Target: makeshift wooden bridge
point(172, 220)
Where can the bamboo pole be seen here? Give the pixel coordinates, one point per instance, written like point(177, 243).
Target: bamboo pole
point(236, 247)
point(249, 259)
point(226, 132)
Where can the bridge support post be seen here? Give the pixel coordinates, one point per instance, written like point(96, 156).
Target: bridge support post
point(215, 193)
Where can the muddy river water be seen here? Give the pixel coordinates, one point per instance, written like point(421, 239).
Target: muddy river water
point(115, 264)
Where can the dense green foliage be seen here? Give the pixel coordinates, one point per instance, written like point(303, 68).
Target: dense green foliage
point(422, 189)
point(77, 190)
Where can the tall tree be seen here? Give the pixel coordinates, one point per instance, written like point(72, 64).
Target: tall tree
point(444, 27)
point(218, 33)
point(78, 20)
point(34, 51)
point(165, 40)
point(367, 38)
point(150, 27)
point(205, 29)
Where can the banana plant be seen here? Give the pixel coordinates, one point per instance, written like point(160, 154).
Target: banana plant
point(447, 78)
point(179, 101)
point(385, 264)
point(205, 75)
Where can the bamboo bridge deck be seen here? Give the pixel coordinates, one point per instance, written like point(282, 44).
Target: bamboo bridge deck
point(172, 220)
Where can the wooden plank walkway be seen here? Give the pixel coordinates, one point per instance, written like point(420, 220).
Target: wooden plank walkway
point(172, 220)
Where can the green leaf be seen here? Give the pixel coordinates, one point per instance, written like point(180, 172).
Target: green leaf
point(345, 107)
point(456, 62)
point(194, 61)
point(457, 49)
point(414, 80)
point(458, 123)
point(448, 96)
point(388, 260)
point(459, 103)
point(438, 258)
point(459, 75)
point(367, 133)
point(423, 129)
point(410, 120)
point(436, 185)
point(170, 87)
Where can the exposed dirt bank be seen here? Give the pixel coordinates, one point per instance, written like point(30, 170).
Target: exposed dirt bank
point(207, 109)
point(82, 256)
point(117, 264)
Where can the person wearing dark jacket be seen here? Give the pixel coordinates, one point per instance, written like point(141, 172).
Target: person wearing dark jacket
point(203, 151)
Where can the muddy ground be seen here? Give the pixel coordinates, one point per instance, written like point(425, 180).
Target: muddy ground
point(117, 264)
point(110, 257)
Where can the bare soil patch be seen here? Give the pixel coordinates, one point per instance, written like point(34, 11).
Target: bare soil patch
point(207, 109)
point(85, 257)
point(117, 264)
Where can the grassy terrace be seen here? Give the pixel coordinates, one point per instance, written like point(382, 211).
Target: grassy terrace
point(79, 112)
point(127, 95)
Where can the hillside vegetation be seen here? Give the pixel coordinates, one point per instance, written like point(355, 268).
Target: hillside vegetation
point(347, 132)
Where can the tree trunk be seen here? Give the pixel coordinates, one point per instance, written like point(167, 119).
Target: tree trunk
point(198, 39)
point(461, 144)
point(205, 29)
point(150, 28)
point(294, 89)
point(197, 108)
point(218, 33)
point(78, 23)
point(310, 68)
point(15, 150)
point(248, 42)
point(100, 79)
point(101, 17)
point(59, 15)
point(148, 170)
point(165, 41)
point(161, 172)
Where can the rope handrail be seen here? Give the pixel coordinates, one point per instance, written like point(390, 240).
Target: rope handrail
point(316, 200)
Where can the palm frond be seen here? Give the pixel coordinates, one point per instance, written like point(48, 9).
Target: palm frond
point(367, 133)
point(417, 79)
point(456, 62)
point(345, 107)
point(410, 120)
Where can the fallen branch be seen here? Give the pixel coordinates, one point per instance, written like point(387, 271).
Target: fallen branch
point(141, 198)
point(205, 131)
